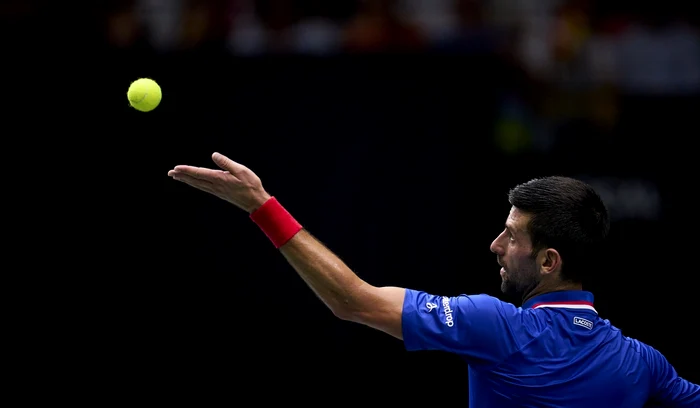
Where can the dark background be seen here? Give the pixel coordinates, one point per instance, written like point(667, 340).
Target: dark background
point(397, 151)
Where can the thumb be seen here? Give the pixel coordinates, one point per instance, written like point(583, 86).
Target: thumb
point(229, 165)
point(222, 161)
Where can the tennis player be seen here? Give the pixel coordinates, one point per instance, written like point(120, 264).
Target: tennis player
point(554, 351)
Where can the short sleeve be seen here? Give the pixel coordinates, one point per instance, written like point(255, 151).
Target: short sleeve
point(480, 328)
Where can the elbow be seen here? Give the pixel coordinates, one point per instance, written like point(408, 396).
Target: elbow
point(350, 310)
point(354, 305)
point(344, 312)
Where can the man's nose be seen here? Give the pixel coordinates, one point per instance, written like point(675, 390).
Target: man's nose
point(496, 247)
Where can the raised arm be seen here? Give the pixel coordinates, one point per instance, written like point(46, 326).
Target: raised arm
point(348, 297)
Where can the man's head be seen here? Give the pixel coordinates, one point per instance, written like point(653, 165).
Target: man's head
point(552, 234)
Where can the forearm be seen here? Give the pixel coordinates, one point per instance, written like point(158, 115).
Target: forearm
point(326, 274)
point(348, 296)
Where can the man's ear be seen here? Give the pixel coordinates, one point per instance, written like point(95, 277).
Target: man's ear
point(549, 261)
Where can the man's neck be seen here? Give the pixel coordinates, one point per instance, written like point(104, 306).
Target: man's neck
point(544, 287)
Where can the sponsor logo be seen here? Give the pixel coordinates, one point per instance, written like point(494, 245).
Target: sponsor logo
point(449, 320)
point(580, 321)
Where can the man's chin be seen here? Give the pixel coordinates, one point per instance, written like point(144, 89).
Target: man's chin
point(505, 287)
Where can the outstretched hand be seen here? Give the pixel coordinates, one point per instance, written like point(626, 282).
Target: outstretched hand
point(234, 183)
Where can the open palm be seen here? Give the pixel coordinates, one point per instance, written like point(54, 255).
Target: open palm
point(234, 183)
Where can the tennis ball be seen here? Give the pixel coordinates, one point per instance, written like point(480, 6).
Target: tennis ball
point(144, 94)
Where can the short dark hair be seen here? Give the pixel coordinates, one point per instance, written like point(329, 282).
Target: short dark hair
point(567, 215)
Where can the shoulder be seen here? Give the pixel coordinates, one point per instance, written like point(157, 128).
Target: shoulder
point(473, 307)
point(418, 300)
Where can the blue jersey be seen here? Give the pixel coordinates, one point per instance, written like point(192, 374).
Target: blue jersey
point(553, 352)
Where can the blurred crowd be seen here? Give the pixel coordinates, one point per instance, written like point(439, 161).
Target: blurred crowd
point(577, 58)
point(578, 43)
point(578, 68)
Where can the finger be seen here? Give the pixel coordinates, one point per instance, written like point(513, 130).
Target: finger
point(200, 184)
point(228, 164)
point(178, 170)
point(197, 172)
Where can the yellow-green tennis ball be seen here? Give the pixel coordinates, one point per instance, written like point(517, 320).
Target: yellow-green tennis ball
point(144, 94)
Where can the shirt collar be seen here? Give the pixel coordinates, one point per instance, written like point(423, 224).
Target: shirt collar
point(568, 299)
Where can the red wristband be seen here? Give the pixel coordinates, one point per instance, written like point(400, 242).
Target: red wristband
point(276, 222)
